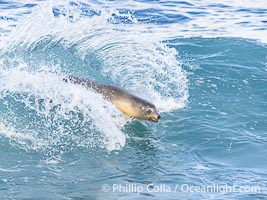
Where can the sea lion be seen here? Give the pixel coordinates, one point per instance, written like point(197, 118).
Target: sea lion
point(126, 102)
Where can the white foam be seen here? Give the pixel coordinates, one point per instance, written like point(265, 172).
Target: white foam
point(41, 92)
point(25, 141)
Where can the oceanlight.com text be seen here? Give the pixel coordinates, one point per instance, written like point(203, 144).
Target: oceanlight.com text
point(165, 188)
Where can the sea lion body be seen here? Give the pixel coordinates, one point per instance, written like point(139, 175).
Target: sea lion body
point(126, 102)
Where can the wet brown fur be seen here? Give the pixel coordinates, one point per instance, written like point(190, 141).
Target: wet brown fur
point(126, 102)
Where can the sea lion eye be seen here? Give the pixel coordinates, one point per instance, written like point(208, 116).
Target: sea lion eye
point(149, 111)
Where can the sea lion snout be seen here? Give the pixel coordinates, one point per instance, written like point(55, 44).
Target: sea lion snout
point(155, 119)
point(151, 113)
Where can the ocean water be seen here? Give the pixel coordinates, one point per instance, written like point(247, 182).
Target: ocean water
point(202, 63)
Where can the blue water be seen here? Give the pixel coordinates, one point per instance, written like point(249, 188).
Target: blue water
point(203, 64)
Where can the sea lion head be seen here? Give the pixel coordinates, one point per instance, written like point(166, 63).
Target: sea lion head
point(149, 112)
point(137, 108)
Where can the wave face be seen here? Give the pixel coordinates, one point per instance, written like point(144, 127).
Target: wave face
point(93, 41)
